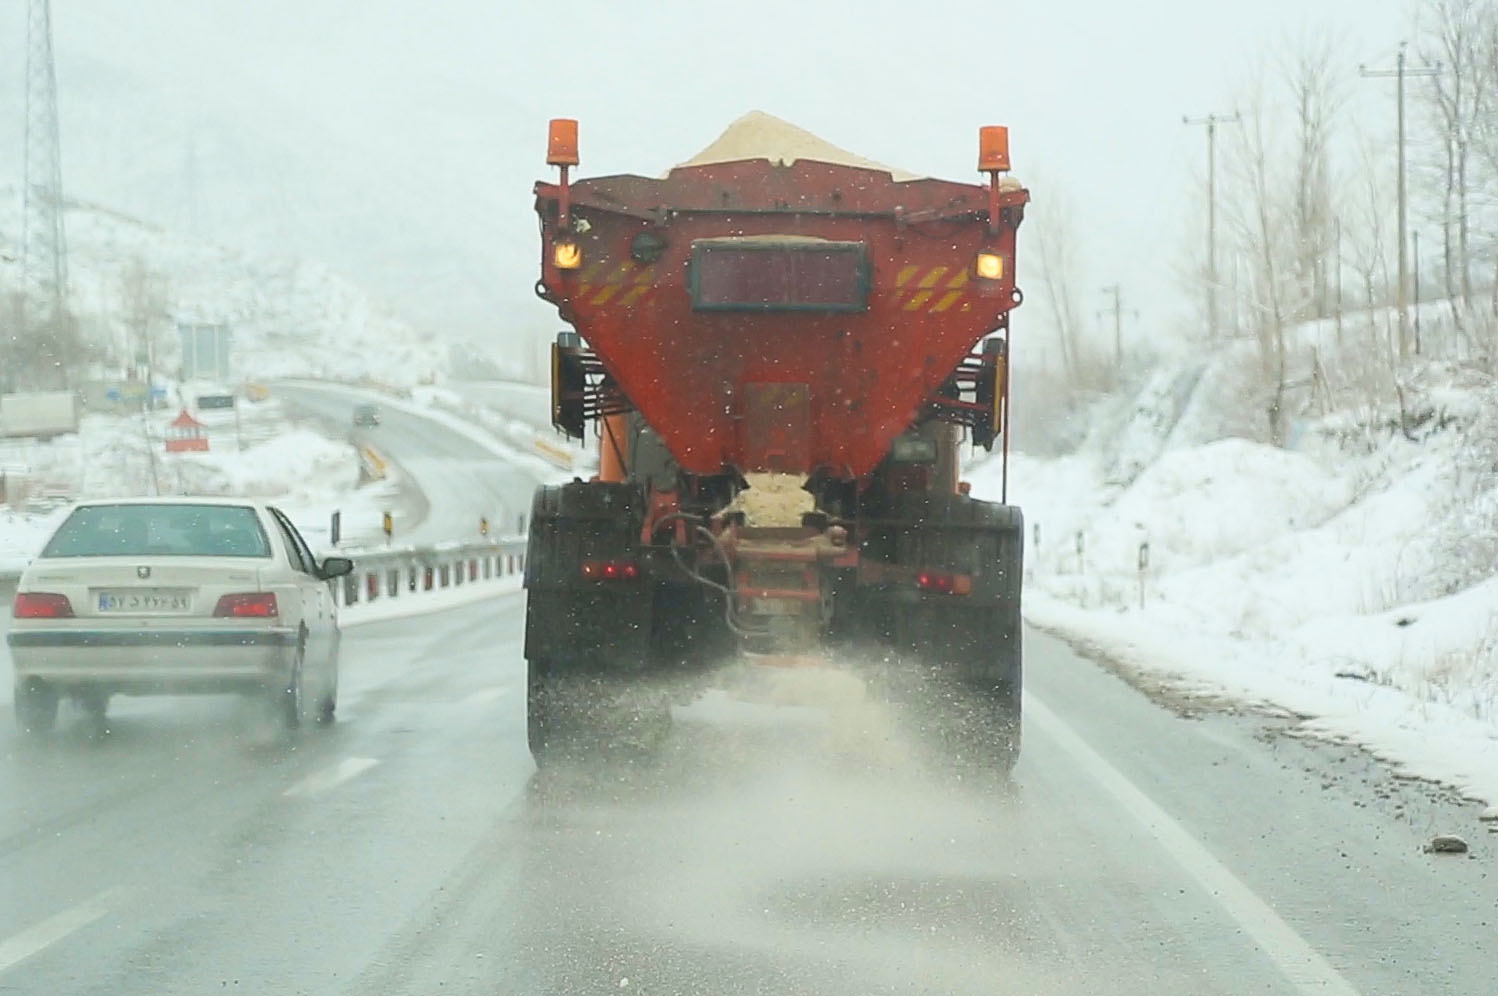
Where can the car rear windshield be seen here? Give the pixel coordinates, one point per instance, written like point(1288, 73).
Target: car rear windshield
point(160, 531)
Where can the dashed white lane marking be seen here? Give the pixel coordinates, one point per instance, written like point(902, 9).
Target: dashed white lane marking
point(483, 696)
point(41, 936)
point(1301, 964)
point(321, 781)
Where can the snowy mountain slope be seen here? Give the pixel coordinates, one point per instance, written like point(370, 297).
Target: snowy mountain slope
point(222, 123)
point(289, 316)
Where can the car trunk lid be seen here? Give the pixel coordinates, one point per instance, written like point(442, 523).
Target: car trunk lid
point(145, 587)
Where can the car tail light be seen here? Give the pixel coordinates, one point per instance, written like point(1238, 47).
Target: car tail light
point(943, 583)
point(610, 570)
point(250, 604)
point(41, 605)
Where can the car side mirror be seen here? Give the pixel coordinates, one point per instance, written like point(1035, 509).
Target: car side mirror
point(335, 567)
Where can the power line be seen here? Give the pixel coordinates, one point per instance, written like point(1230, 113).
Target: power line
point(1210, 122)
point(1399, 72)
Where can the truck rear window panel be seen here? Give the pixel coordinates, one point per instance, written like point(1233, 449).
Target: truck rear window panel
point(779, 275)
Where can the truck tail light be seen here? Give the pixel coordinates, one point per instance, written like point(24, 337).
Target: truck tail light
point(943, 583)
point(990, 266)
point(610, 570)
point(248, 605)
point(42, 605)
point(567, 255)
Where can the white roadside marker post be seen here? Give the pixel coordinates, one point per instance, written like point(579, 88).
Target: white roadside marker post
point(1144, 562)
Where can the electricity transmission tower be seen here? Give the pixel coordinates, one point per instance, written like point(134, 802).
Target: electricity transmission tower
point(44, 251)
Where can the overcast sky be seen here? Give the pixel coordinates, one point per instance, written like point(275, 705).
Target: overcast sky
point(398, 140)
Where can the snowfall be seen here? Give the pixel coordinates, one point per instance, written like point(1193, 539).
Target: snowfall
point(1346, 580)
point(290, 317)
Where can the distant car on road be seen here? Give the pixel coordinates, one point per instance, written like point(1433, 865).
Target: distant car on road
point(175, 596)
point(366, 415)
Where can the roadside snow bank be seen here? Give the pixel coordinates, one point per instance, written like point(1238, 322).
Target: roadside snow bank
point(1422, 738)
point(1344, 582)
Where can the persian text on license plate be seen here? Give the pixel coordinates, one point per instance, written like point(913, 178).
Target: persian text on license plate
point(145, 600)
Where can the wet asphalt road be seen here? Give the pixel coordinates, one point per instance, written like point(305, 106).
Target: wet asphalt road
point(460, 481)
point(413, 849)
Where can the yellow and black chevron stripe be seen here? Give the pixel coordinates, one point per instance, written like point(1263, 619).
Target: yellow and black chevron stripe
point(603, 282)
point(931, 289)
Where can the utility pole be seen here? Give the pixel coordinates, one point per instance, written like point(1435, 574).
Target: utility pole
point(44, 252)
point(1211, 121)
point(1116, 291)
point(1399, 72)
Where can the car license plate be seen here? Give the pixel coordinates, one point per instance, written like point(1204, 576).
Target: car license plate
point(142, 600)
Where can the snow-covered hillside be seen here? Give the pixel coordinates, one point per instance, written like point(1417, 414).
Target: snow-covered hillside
point(1349, 577)
point(289, 317)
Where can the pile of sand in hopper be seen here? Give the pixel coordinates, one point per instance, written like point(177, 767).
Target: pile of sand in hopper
point(758, 135)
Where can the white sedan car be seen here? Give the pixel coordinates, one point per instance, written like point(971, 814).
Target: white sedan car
point(175, 596)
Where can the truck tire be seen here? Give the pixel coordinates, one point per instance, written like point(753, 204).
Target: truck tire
point(993, 684)
point(969, 648)
point(588, 642)
point(970, 678)
point(546, 719)
point(574, 715)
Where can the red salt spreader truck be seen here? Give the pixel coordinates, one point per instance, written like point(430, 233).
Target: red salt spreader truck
point(742, 324)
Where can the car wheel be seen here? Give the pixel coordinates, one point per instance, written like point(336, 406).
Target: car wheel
point(328, 705)
point(288, 701)
point(36, 708)
point(95, 705)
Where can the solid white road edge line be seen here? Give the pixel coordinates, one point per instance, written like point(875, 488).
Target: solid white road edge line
point(1301, 964)
point(321, 781)
point(39, 937)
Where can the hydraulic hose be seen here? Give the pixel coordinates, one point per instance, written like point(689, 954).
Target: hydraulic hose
point(729, 590)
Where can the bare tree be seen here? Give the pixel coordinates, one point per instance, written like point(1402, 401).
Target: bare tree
point(143, 300)
point(1055, 242)
point(1259, 218)
point(1485, 140)
point(1369, 239)
point(1308, 72)
point(1380, 363)
point(1453, 38)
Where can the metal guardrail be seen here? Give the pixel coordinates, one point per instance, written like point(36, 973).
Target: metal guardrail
point(406, 572)
point(380, 575)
